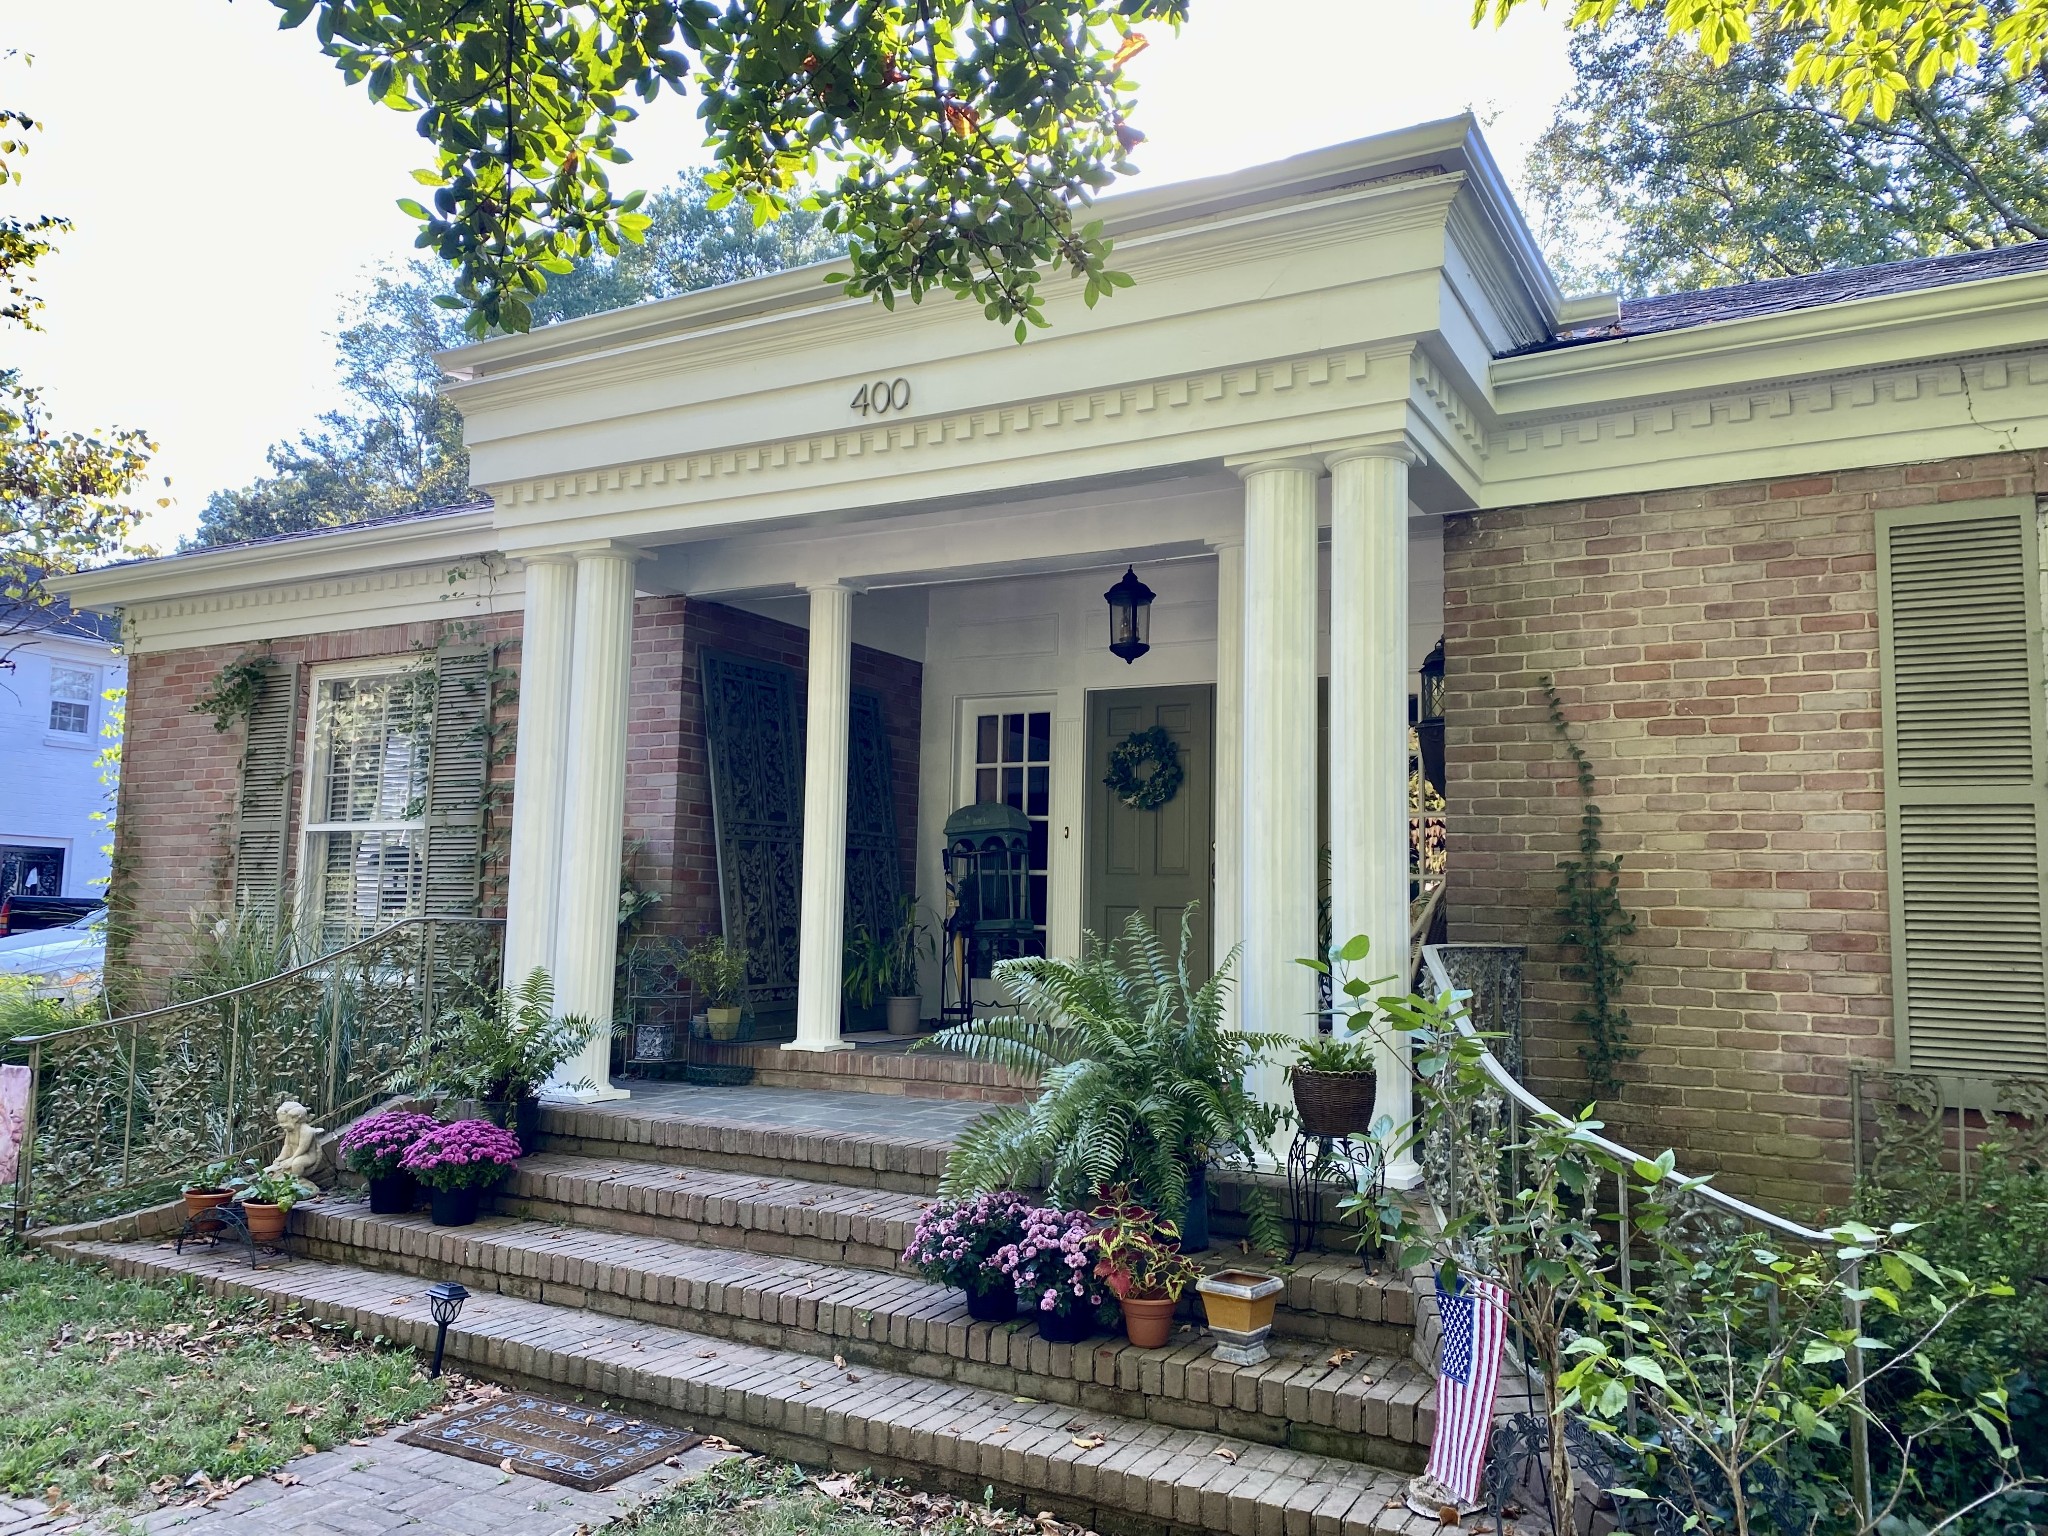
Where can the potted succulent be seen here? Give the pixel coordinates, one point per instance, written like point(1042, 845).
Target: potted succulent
point(718, 971)
point(957, 1243)
point(909, 944)
point(208, 1188)
point(1239, 1304)
point(1052, 1267)
point(374, 1146)
point(1138, 1257)
point(265, 1199)
point(866, 979)
point(459, 1162)
point(502, 1054)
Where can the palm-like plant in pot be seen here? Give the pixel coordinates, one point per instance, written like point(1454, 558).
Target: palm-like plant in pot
point(502, 1054)
point(718, 972)
point(1141, 1083)
point(909, 944)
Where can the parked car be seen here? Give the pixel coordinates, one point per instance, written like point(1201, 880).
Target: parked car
point(24, 912)
point(59, 962)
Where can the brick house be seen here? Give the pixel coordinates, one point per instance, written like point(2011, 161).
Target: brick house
point(759, 561)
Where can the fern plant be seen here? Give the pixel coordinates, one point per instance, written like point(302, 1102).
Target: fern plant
point(1139, 1080)
point(508, 1049)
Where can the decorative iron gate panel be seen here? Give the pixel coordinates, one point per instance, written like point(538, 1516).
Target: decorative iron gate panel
point(754, 730)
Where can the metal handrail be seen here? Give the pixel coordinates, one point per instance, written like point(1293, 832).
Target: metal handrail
point(321, 968)
point(1461, 1016)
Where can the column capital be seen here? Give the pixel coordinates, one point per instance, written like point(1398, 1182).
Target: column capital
point(1226, 540)
point(837, 584)
point(1247, 465)
point(584, 549)
point(1398, 446)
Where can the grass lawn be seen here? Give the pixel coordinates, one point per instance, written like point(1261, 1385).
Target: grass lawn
point(119, 1392)
point(760, 1496)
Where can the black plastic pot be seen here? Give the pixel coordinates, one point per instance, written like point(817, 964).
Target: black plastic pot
point(456, 1207)
point(1069, 1328)
point(519, 1116)
point(393, 1195)
point(993, 1306)
point(1194, 1226)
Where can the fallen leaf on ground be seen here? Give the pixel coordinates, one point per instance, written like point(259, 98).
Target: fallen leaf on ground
point(1089, 1442)
point(1344, 1357)
point(1225, 1452)
point(839, 1361)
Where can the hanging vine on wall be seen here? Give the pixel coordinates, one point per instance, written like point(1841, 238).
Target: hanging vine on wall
point(235, 688)
point(1593, 923)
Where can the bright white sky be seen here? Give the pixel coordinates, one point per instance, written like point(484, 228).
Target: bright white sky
point(229, 191)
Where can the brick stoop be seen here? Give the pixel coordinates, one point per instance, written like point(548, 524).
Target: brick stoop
point(1141, 1477)
point(884, 1066)
point(1366, 1407)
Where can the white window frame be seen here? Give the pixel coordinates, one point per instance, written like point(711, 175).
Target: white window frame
point(308, 841)
point(964, 765)
point(90, 734)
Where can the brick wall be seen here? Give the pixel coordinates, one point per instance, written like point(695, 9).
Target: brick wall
point(1716, 652)
point(181, 778)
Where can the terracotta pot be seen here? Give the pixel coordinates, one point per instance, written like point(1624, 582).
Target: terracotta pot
point(199, 1201)
point(993, 1306)
point(903, 1015)
point(266, 1222)
point(723, 1023)
point(393, 1195)
point(1148, 1320)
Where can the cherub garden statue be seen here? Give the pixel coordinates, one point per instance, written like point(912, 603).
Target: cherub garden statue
point(302, 1152)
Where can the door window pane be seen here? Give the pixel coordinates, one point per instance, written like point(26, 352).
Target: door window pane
point(985, 739)
point(1013, 766)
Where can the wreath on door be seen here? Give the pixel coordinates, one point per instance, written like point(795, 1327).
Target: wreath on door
point(1129, 760)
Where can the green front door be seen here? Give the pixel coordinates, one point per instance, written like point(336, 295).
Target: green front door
point(1157, 862)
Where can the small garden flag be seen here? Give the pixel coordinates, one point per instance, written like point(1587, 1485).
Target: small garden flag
point(1474, 1317)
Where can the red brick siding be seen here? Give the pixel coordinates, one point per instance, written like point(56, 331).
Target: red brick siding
point(1716, 652)
point(181, 778)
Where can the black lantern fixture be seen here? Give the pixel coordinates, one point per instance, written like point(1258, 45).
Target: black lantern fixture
point(1429, 718)
point(444, 1300)
point(1130, 616)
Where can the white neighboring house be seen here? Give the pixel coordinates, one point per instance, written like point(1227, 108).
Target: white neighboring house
point(58, 667)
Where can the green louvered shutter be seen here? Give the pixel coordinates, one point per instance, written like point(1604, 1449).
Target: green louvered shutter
point(263, 813)
point(1966, 785)
point(458, 767)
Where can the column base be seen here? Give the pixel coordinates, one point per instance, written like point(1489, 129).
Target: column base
point(605, 1095)
point(814, 1045)
point(1404, 1173)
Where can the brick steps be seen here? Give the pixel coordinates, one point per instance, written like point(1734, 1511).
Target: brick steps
point(1142, 1477)
point(1368, 1407)
point(886, 1069)
point(1328, 1297)
point(863, 1156)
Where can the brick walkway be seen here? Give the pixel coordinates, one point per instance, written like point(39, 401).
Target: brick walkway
point(369, 1490)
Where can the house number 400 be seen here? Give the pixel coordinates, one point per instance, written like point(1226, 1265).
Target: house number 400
point(882, 396)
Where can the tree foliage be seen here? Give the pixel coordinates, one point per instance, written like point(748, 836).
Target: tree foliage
point(62, 494)
point(395, 445)
point(1866, 55)
point(956, 144)
point(1705, 175)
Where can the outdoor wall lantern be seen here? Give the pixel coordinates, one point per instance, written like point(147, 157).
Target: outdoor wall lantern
point(444, 1300)
point(1429, 718)
point(1130, 616)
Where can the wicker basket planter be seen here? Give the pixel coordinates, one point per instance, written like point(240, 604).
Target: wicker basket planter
point(1334, 1103)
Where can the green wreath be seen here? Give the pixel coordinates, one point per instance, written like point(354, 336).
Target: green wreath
point(1154, 789)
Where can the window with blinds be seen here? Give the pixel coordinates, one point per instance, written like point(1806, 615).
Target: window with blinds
point(1959, 590)
point(364, 860)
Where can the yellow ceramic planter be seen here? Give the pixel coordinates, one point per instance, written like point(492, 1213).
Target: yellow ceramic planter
point(1239, 1304)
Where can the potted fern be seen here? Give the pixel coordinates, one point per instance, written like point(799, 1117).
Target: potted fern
point(718, 972)
point(501, 1055)
point(1142, 1083)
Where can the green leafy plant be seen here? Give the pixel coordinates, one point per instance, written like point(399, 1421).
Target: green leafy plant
point(1727, 1371)
point(1346, 1052)
point(210, 1180)
point(1593, 923)
point(508, 1048)
point(267, 1188)
point(1140, 1080)
point(910, 943)
point(235, 688)
point(869, 965)
point(718, 971)
point(1137, 1253)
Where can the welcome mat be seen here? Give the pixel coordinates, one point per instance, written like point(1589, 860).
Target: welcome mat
point(582, 1447)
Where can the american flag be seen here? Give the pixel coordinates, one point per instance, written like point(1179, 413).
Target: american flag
point(1474, 1317)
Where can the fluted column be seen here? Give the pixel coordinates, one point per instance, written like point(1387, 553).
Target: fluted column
point(1278, 915)
point(1227, 900)
point(1369, 741)
point(821, 941)
point(594, 808)
point(540, 766)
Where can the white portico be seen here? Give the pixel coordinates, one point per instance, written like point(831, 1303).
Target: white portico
point(1277, 409)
